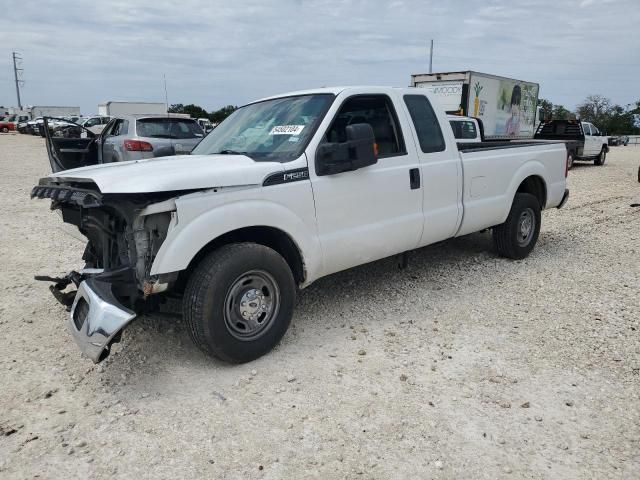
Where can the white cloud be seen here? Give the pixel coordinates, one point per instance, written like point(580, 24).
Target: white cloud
point(214, 53)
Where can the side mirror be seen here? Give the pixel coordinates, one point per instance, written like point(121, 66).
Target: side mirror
point(358, 151)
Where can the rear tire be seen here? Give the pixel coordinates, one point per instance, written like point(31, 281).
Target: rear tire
point(517, 236)
point(570, 161)
point(239, 301)
point(5, 130)
point(600, 159)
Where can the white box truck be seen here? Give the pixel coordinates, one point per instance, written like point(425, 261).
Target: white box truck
point(53, 111)
point(118, 109)
point(506, 107)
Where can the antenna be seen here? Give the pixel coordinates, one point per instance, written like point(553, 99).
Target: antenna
point(431, 58)
point(166, 105)
point(166, 97)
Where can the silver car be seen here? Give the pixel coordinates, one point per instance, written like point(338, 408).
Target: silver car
point(147, 136)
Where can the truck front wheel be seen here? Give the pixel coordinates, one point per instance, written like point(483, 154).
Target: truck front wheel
point(600, 159)
point(239, 301)
point(517, 236)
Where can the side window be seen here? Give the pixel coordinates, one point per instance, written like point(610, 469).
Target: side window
point(585, 127)
point(377, 111)
point(469, 130)
point(120, 127)
point(92, 122)
point(426, 123)
point(463, 130)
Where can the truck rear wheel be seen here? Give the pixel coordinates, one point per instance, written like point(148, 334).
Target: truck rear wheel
point(600, 159)
point(517, 236)
point(239, 301)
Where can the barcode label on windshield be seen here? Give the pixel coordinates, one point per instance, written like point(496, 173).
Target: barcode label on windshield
point(286, 130)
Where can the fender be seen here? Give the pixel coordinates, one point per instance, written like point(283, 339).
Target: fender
point(531, 168)
point(187, 236)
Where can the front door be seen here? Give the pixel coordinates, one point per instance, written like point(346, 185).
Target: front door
point(70, 152)
point(375, 211)
point(590, 141)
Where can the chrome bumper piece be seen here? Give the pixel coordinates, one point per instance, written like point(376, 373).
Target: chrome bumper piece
point(96, 318)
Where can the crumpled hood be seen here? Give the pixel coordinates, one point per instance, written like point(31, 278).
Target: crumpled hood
point(181, 172)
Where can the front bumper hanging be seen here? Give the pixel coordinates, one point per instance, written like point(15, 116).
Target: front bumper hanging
point(97, 318)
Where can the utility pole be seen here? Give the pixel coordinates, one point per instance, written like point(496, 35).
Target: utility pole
point(16, 60)
point(431, 58)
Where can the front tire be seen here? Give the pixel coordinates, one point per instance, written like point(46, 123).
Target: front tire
point(517, 236)
point(570, 161)
point(239, 301)
point(600, 159)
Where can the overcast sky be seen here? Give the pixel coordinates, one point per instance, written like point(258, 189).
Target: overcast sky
point(216, 53)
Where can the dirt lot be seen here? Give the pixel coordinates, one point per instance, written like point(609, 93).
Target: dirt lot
point(465, 365)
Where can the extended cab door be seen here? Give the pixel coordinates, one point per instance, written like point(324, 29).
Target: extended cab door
point(70, 152)
point(375, 211)
point(440, 168)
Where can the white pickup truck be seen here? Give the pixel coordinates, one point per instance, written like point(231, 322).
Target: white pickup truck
point(286, 190)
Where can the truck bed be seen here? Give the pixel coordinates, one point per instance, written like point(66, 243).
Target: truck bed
point(501, 144)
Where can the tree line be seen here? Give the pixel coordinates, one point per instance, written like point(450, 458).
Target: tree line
point(600, 111)
point(196, 111)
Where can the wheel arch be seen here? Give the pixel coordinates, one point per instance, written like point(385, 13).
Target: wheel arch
point(268, 236)
point(536, 186)
point(200, 224)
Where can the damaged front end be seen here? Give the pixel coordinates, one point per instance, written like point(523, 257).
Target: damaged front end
point(124, 233)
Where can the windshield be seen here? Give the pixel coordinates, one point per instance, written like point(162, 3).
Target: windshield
point(169, 128)
point(272, 130)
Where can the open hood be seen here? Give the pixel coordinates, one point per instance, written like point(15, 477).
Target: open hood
point(182, 172)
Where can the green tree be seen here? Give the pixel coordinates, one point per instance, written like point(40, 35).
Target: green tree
point(224, 112)
point(620, 121)
point(546, 108)
point(595, 109)
point(559, 112)
point(194, 111)
point(176, 108)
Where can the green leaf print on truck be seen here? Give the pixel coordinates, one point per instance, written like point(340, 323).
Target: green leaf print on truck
point(477, 88)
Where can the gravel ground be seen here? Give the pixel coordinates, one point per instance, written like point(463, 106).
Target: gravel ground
point(464, 365)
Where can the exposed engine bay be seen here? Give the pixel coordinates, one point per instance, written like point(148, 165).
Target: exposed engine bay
point(124, 233)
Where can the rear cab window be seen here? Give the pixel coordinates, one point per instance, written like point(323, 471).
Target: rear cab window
point(464, 129)
point(426, 123)
point(379, 113)
point(163, 127)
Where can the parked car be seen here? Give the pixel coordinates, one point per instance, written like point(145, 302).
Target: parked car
point(35, 127)
point(583, 140)
point(205, 124)
point(96, 123)
point(616, 141)
point(61, 127)
point(22, 126)
point(285, 191)
point(148, 136)
point(10, 123)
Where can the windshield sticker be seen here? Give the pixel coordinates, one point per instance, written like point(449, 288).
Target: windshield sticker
point(286, 130)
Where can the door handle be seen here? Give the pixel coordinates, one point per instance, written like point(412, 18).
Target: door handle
point(414, 178)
